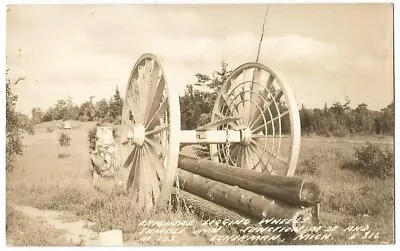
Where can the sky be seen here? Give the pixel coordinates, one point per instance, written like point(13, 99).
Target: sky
point(324, 52)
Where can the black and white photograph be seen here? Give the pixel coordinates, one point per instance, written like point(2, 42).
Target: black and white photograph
point(230, 124)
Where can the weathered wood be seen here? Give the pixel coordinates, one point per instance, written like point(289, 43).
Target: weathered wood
point(253, 205)
point(207, 207)
point(291, 190)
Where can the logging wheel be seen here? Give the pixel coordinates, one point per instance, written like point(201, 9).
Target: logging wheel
point(150, 125)
point(269, 120)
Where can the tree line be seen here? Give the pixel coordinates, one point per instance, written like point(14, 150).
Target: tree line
point(198, 101)
point(341, 120)
point(107, 110)
point(196, 107)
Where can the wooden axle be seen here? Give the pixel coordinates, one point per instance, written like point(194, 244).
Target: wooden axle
point(211, 136)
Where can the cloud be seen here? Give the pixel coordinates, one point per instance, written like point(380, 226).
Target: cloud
point(72, 52)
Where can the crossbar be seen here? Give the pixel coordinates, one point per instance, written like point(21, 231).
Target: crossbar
point(210, 136)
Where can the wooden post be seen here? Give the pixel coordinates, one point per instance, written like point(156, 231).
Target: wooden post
point(291, 190)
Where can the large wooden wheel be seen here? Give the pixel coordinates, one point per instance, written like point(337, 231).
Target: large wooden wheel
point(150, 126)
point(269, 118)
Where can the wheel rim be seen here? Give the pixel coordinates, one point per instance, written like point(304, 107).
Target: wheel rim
point(267, 108)
point(150, 124)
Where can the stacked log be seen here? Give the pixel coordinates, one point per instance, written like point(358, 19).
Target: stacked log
point(251, 194)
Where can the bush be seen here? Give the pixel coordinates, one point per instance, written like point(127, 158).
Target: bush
point(309, 166)
point(13, 125)
point(65, 140)
point(49, 129)
point(372, 161)
point(30, 128)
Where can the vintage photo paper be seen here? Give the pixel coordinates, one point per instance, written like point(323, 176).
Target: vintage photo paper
point(199, 125)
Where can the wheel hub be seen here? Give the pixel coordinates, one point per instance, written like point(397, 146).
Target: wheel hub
point(246, 136)
point(137, 135)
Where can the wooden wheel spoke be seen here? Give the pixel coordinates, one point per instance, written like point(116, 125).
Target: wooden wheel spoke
point(151, 177)
point(156, 161)
point(255, 87)
point(239, 157)
point(259, 119)
point(157, 147)
point(134, 109)
point(269, 152)
point(131, 157)
point(257, 113)
point(230, 103)
point(234, 153)
point(260, 128)
point(140, 181)
point(247, 96)
point(156, 87)
point(248, 161)
point(267, 166)
point(156, 99)
point(157, 115)
point(260, 156)
point(236, 92)
point(134, 170)
point(157, 130)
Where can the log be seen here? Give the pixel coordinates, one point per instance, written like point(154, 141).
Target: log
point(207, 207)
point(253, 205)
point(292, 190)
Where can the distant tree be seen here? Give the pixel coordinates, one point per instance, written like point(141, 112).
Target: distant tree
point(87, 110)
point(102, 109)
point(363, 119)
point(306, 120)
point(116, 104)
point(37, 115)
point(387, 119)
point(13, 125)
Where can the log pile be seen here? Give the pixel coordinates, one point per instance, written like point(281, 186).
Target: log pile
point(248, 193)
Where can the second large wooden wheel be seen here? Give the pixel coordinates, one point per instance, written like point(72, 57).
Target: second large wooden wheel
point(150, 126)
point(269, 120)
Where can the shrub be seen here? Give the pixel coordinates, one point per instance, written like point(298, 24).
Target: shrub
point(372, 161)
point(13, 125)
point(65, 140)
point(92, 138)
point(30, 128)
point(49, 129)
point(309, 166)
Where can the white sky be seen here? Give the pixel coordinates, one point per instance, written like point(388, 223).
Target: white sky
point(325, 52)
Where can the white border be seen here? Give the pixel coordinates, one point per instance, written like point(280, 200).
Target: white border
point(3, 5)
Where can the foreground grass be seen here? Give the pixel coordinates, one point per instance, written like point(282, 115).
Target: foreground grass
point(23, 231)
point(348, 198)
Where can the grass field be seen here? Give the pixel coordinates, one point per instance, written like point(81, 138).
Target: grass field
point(41, 179)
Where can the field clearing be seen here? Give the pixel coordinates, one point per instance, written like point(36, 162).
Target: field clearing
point(42, 180)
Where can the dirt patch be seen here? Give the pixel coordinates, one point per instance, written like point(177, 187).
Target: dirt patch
point(76, 232)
